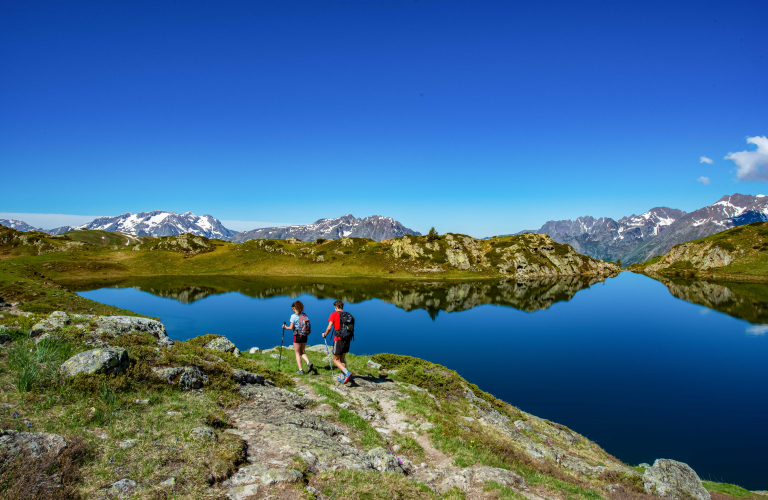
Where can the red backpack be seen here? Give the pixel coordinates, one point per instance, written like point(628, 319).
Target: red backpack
point(304, 326)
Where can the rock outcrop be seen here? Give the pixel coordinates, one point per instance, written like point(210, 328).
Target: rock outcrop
point(114, 326)
point(102, 360)
point(187, 377)
point(668, 478)
point(36, 443)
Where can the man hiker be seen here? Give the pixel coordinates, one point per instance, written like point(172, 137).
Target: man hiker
point(299, 323)
point(341, 339)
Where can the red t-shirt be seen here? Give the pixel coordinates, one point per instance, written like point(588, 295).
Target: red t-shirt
point(336, 323)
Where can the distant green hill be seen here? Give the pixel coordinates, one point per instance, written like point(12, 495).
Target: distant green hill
point(739, 253)
point(89, 255)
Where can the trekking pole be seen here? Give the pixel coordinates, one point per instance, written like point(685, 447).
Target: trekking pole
point(330, 361)
point(282, 337)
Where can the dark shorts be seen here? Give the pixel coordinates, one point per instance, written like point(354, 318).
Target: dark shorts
point(340, 347)
point(300, 339)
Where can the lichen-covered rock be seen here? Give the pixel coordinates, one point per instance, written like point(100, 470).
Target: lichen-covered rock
point(123, 488)
point(36, 443)
point(503, 477)
point(244, 377)
point(55, 320)
point(385, 461)
point(188, 377)
point(102, 360)
point(206, 433)
point(221, 344)
point(669, 478)
point(114, 326)
point(375, 366)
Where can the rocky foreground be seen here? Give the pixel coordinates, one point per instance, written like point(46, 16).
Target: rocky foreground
point(200, 419)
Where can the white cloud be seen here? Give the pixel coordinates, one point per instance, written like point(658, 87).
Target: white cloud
point(703, 180)
point(752, 165)
point(704, 159)
point(247, 225)
point(49, 221)
point(757, 329)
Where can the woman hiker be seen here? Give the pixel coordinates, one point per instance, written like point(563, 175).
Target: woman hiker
point(299, 323)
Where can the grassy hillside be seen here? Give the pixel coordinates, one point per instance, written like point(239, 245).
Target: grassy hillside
point(738, 253)
point(88, 255)
point(140, 427)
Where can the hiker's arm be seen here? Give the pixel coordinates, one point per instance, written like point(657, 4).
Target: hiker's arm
point(290, 327)
point(328, 330)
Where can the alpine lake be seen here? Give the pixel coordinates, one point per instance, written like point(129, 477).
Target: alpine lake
point(646, 368)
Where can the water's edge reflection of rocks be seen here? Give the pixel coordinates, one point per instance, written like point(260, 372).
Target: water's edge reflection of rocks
point(432, 296)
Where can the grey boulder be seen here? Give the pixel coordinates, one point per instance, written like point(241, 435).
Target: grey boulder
point(57, 319)
point(384, 461)
point(244, 377)
point(503, 477)
point(114, 326)
point(36, 443)
point(103, 360)
point(669, 478)
point(221, 344)
point(188, 377)
point(205, 433)
point(119, 489)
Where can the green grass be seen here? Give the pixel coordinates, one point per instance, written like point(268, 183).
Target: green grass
point(729, 489)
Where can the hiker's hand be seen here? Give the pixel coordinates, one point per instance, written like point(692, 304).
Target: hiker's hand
point(325, 334)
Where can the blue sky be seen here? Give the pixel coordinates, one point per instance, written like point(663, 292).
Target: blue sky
point(475, 117)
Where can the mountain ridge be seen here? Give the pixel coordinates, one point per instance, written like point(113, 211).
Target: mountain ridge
point(161, 223)
point(636, 238)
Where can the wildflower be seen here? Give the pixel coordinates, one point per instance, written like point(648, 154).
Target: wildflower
point(155, 442)
point(31, 425)
point(111, 460)
point(177, 440)
point(15, 414)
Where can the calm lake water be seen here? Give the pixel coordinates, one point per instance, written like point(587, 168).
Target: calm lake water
point(625, 362)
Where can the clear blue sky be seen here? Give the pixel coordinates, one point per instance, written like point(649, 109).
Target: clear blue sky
point(476, 117)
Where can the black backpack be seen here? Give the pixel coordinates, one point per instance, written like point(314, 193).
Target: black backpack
point(347, 323)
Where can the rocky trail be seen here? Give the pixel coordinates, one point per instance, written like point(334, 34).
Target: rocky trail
point(285, 432)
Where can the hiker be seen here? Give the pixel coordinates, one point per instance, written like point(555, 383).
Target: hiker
point(299, 323)
point(343, 325)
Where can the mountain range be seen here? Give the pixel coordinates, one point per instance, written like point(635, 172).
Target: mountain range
point(375, 227)
point(637, 238)
point(160, 223)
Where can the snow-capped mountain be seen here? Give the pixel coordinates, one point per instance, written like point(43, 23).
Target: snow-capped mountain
point(607, 239)
point(159, 223)
point(18, 224)
point(375, 227)
point(727, 212)
point(639, 237)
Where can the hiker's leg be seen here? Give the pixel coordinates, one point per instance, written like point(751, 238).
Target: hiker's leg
point(302, 350)
point(339, 364)
point(296, 350)
point(344, 360)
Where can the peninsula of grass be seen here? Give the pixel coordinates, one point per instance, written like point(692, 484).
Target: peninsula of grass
point(738, 254)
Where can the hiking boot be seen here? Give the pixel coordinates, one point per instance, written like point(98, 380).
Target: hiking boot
point(299, 372)
point(310, 367)
point(348, 378)
point(340, 379)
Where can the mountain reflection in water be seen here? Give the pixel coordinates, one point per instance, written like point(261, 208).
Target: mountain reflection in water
point(747, 301)
point(431, 296)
